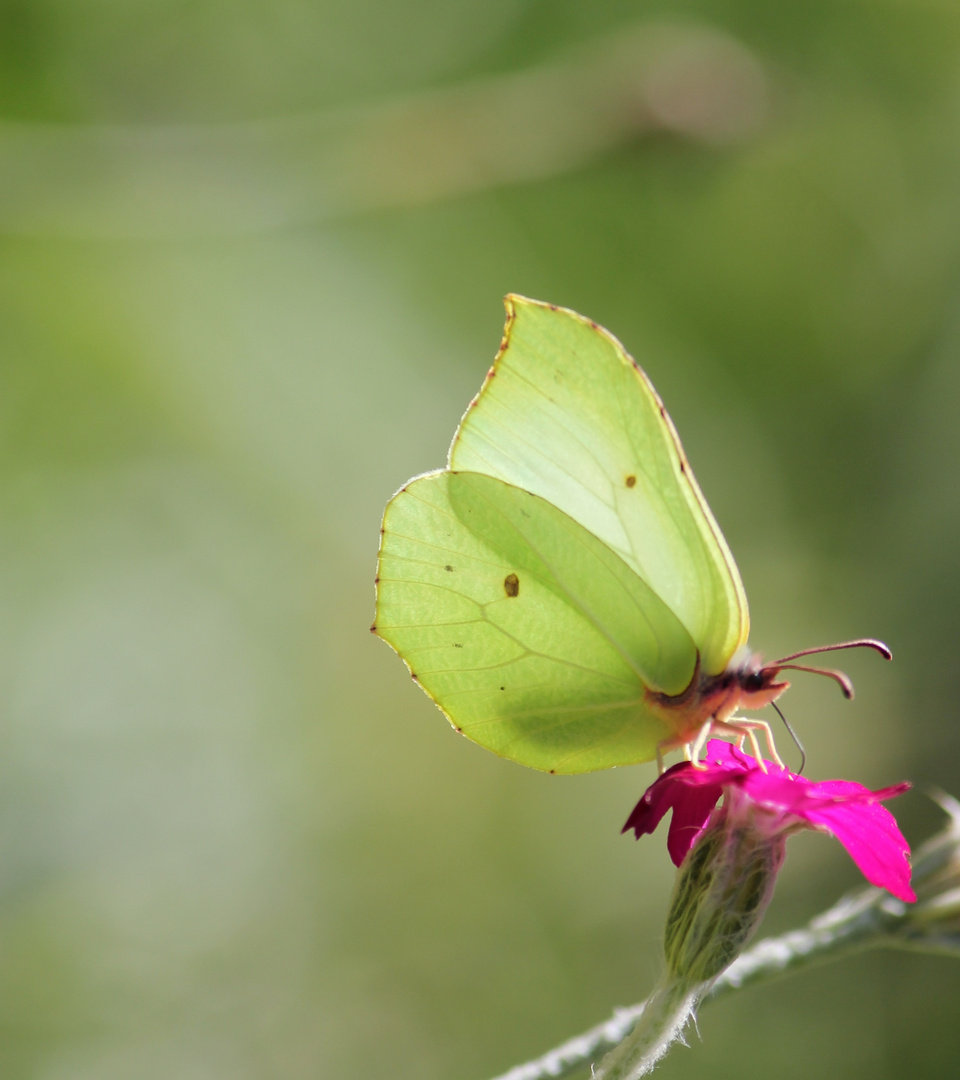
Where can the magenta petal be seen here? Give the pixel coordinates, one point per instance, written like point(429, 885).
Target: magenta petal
point(848, 810)
point(846, 788)
point(852, 813)
point(870, 834)
point(690, 793)
point(718, 752)
point(653, 804)
point(850, 789)
point(778, 791)
point(690, 814)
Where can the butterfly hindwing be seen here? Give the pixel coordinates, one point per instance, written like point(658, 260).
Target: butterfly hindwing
point(535, 638)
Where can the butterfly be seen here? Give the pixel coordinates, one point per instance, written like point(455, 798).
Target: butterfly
point(561, 590)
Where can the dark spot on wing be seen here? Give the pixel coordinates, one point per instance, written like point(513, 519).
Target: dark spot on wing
point(631, 481)
point(413, 676)
point(511, 585)
point(683, 466)
point(448, 567)
point(458, 644)
point(376, 580)
point(503, 688)
point(373, 629)
point(593, 324)
point(553, 772)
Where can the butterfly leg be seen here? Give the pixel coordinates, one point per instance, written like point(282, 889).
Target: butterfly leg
point(741, 726)
point(768, 735)
point(668, 746)
point(762, 725)
point(755, 747)
point(699, 742)
point(742, 729)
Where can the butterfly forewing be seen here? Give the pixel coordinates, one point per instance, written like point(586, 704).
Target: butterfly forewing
point(566, 414)
point(534, 637)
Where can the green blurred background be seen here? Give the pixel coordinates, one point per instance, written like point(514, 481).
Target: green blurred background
point(252, 258)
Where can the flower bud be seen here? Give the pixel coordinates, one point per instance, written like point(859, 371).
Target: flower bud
point(722, 890)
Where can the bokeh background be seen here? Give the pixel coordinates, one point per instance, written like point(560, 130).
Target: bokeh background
point(252, 257)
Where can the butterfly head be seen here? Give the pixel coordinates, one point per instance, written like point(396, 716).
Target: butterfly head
point(759, 684)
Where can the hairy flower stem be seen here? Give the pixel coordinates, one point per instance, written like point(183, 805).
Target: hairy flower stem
point(768, 959)
point(719, 896)
point(865, 919)
point(664, 1015)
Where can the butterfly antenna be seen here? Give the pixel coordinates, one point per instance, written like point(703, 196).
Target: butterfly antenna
point(793, 735)
point(785, 662)
point(843, 681)
point(858, 643)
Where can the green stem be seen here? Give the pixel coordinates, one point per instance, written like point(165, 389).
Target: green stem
point(852, 924)
point(662, 1019)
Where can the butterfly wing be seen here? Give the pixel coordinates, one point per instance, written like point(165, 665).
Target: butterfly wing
point(567, 414)
point(532, 635)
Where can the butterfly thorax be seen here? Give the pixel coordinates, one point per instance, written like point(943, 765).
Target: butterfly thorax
point(745, 684)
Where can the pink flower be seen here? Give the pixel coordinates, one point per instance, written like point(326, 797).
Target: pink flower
point(779, 802)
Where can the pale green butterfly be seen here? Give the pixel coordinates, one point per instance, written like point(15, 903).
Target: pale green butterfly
point(561, 590)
